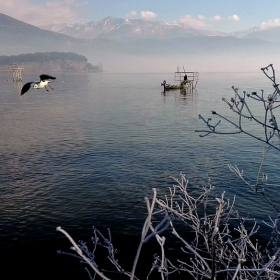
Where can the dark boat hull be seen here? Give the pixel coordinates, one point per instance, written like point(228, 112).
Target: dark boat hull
point(182, 85)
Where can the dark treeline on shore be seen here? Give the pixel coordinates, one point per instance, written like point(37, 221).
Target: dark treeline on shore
point(57, 61)
point(41, 57)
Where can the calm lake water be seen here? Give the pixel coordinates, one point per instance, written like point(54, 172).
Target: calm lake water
point(88, 153)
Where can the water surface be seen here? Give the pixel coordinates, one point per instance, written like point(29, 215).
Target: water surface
point(88, 153)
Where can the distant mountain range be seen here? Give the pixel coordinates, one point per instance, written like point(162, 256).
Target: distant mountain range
point(129, 29)
point(116, 42)
point(124, 29)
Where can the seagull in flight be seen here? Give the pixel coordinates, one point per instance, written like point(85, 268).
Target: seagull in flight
point(43, 83)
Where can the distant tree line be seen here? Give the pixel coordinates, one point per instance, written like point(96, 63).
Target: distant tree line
point(94, 68)
point(41, 57)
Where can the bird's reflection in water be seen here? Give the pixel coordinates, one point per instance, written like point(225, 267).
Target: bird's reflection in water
point(169, 92)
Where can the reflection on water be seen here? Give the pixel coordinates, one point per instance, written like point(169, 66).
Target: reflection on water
point(88, 152)
point(17, 86)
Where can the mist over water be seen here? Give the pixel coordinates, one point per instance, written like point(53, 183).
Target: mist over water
point(88, 153)
point(231, 61)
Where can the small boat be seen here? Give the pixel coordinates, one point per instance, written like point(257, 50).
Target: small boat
point(188, 81)
point(183, 85)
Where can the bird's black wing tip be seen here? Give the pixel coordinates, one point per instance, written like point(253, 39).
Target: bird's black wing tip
point(25, 88)
point(46, 77)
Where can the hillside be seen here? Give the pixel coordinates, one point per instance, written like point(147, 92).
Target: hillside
point(153, 50)
point(151, 38)
point(17, 37)
point(50, 62)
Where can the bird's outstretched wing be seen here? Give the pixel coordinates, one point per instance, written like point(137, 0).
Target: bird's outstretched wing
point(45, 77)
point(25, 88)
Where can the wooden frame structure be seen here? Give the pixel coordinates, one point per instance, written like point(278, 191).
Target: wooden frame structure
point(17, 69)
point(191, 76)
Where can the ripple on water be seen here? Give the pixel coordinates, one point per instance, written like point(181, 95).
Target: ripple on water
point(78, 157)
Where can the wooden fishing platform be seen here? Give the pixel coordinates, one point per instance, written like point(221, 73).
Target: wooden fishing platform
point(191, 76)
point(16, 69)
point(188, 81)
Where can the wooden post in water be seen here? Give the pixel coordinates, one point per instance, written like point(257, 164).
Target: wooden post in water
point(192, 78)
point(17, 69)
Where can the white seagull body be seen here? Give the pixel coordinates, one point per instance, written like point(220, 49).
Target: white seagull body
point(43, 83)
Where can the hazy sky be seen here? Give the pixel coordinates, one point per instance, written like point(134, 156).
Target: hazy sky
point(217, 15)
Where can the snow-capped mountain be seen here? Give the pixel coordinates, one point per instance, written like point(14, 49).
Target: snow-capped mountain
point(129, 29)
point(244, 33)
point(268, 34)
point(126, 29)
point(160, 41)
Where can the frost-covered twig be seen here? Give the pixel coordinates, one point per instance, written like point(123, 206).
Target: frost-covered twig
point(215, 240)
point(241, 104)
point(162, 226)
point(80, 253)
